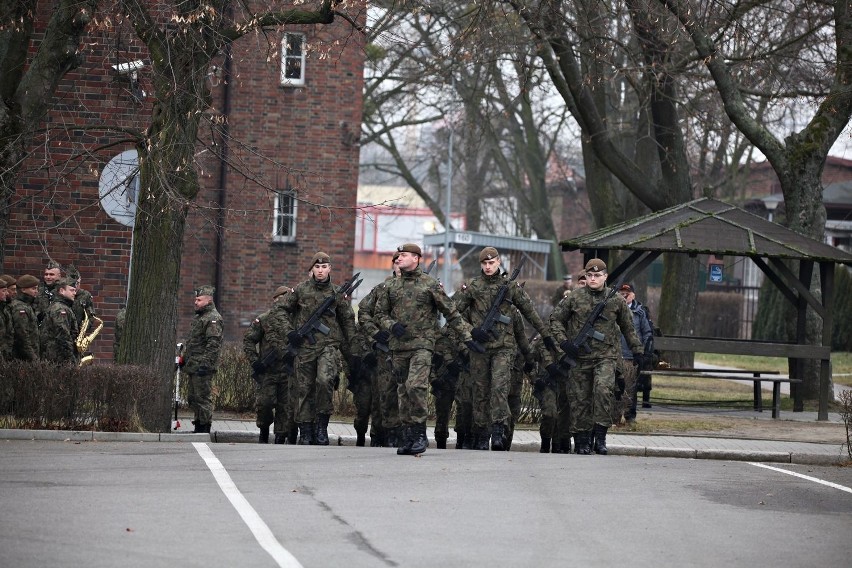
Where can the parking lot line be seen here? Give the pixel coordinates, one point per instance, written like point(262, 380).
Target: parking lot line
point(808, 477)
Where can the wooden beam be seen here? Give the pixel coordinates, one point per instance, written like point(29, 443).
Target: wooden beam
point(740, 347)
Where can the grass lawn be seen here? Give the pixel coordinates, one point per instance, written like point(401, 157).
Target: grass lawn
point(841, 364)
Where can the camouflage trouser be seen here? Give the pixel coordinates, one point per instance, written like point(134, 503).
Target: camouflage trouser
point(514, 400)
point(626, 407)
point(273, 403)
point(316, 374)
point(547, 427)
point(590, 390)
point(464, 403)
point(411, 370)
point(376, 422)
point(362, 397)
point(443, 408)
point(563, 410)
point(491, 372)
point(200, 397)
point(388, 398)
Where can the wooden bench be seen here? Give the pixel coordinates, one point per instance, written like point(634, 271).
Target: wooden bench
point(758, 377)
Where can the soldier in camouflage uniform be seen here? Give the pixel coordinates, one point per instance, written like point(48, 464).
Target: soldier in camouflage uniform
point(562, 438)
point(523, 365)
point(83, 303)
point(47, 288)
point(491, 371)
point(446, 368)
point(375, 393)
point(319, 365)
point(7, 332)
point(265, 346)
point(201, 357)
point(592, 380)
point(408, 309)
point(58, 331)
point(27, 343)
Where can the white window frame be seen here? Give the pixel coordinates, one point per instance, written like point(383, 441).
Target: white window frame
point(287, 55)
point(284, 221)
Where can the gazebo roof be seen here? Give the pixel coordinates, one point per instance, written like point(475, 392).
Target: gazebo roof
point(708, 226)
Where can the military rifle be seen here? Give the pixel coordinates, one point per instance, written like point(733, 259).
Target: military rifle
point(494, 315)
point(588, 331)
point(314, 324)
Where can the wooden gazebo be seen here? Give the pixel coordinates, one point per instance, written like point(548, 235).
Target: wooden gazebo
point(709, 226)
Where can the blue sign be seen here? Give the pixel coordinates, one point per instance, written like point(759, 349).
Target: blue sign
point(716, 272)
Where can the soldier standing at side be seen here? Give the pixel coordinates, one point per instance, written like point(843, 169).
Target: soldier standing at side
point(592, 382)
point(201, 357)
point(27, 344)
point(59, 327)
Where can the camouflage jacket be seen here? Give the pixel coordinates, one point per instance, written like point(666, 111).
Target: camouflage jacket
point(616, 319)
point(27, 345)
point(59, 333)
point(267, 334)
point(367, 324)
point(7, 332)
point(477, 298)
point(414, 299)
point(339, 318)
point(83, 305)
point(205, 340)
point(45, 297)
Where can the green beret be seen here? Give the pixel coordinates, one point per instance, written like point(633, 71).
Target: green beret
point(410, 247)
point(206, 290)
point(27, 281)
point(488, 253)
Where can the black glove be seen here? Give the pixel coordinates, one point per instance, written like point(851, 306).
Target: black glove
point(203, 371)
point(258, 367)
point(453, 369)
point(437, 360)
point(555, 371)
point(529, 367)
point(354, 366)
point(570, 349)
point(550, 343)
point(370, 360)
point(480, 335)
point(474, 346)
point(619, 387)
point(382, 336)
point(295, 339)
point(398, 330)
point(287, 363)
point(638, 359)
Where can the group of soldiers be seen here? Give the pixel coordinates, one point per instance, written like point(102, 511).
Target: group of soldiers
point(42, 319)
point(471, 350)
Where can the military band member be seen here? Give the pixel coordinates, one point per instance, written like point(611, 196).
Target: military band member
point(201, 357)
point(83, 303)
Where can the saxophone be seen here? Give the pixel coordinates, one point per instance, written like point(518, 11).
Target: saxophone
point(84, 341)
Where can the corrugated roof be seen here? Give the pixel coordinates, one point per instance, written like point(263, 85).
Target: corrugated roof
point(708, 226)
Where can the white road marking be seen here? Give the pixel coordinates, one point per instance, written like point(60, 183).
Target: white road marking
point(808, 477)
point(258, 528)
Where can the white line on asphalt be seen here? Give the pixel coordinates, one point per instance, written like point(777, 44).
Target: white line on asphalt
point(255, 524)
point(808, 477)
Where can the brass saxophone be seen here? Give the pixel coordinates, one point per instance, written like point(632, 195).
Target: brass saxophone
point(84, 341)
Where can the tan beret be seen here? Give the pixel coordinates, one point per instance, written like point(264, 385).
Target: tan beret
point(280, 291)
point(596, 265)
point(488, 253)
point(410, 247)
point(320, 258)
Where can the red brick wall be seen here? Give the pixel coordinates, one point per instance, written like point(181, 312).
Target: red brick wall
point(307, 131)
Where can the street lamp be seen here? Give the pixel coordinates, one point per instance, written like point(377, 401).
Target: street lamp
point(771, 203)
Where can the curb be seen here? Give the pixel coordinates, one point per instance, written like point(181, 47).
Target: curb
point(95, 436)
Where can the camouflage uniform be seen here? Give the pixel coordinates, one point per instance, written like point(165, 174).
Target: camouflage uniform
point(46, 295)
point(592, 381)
point(83, 306)
point(491, 371)
point(27, 343)
point(265, 344)
point(375, 394)
point(58, 333)
point(7, 331)
point(446, 368)
point(319, 365)
point(414, 300)
point(523, 356)
point(544, 391)
point(201, 358)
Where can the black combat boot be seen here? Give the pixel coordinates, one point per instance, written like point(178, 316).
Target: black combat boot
point(361, 439)
point(469, 440)
point(280, 438)
point(391, 437)
point(565, 445)
point(204, 428)
point(460, 439)
point(264, 435)
point(600, 439)
point(498, 437)
point(555, 448)
point(377, 438)
point(404, 441)
point(545, 446)
point(582, 443)
point(293, 436)
point(481, 440)
point(419, 441)
point(322, 430)
point(306, 433)
point(197, 427)
point(441, 442)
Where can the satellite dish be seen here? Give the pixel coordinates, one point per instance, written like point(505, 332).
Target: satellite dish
point(119, 187)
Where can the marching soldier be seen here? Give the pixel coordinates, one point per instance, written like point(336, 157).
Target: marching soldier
point(202, 356)
point(27, 343)
point(59, 327)
point(408, 309)
point(592, 381)
point(265, 345)
point(319, 365)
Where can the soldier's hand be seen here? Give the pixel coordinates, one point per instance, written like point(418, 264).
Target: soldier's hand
point(258, 367)
point(475, 346)
point(570, 349)
point(529, 367)
point(398, 330)
point(295, 339)
point(550, 343)
point(555, 371)
point(638, 359)
point(437, 360)
point(382, 336)
point(370, 360)
point(480, 335)
point(619, 387)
